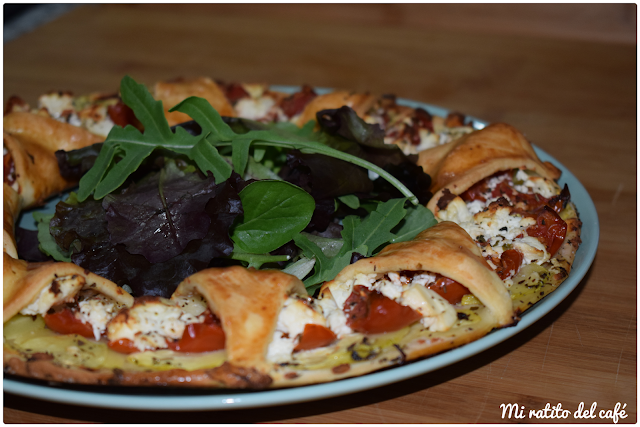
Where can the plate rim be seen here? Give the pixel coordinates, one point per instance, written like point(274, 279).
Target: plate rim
point(590, 235)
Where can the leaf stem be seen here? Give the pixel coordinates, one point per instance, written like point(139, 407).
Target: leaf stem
point(311, 147)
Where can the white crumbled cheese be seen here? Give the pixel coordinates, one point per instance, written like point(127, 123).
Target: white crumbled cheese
point(457, 211)
point(501, 230)
point(96, 119)
point(65, 108)
point(99, 127)
point(342, 290)
point(500, 227)
point(295, 314)
point(336, 319)
point(423, 279)
point(438, 314)
point(255, 109)
point(391, 289)
point(150, 323)
point(534, 184)
point(62, 289)
point(96, 310)
point(532, 249)
point(255, 90)
point(57, 104)
point(74, 120)
point(436, 311)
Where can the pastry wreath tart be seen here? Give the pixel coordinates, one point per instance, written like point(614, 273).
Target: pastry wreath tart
point(225, 235)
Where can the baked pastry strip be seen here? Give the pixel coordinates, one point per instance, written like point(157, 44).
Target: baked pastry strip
point(172, 93)
point(445, 249)
point(248, 303)
point(458, 165)
point(30, 141)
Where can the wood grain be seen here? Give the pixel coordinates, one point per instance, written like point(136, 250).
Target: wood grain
point(571, 90)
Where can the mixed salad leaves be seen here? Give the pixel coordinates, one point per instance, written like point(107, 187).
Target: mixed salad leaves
point(156, 205)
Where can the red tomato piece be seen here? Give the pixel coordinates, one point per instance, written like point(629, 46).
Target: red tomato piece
point(370, 312)
point(510, 260)
point(503, 189)
point(201, 337)
point(533, 202)
point(121, 114)
point(123, 346)
point(315, 336)
point(449, 289)
point(550, 229)
point(295, 103)
point(235, 92)
point(64, 322)
point(475, 192)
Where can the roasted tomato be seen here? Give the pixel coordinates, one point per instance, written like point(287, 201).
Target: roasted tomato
point(235, 92)
point(503, 189)
point(370, 312)
point(549, 228)
point(123, 346)
point(449, 289)
point(295, 103)
point(63, 321)
point(122, 115)
point(201, 337)
point(315, 336)
point(475, 192)
point(510, 260)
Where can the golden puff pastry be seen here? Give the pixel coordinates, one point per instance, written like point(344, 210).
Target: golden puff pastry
point(458, 165)
point(172, 93)
point(248, 303)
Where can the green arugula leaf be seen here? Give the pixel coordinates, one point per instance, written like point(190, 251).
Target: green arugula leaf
point(325, 268)
point(209, 159)
point(48, 244)
point(417, 219)
point(207, 117)
point(330, 247)
point(274, 212)
point(350, 200)
point(130, 145)
point(376, 228)
point(256, 260)
point(359, 236)
point(125, 149)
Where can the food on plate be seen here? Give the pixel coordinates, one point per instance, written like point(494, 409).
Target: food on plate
point(267, 239)
point(493, 185)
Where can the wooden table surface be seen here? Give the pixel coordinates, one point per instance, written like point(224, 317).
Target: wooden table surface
point(563, 74)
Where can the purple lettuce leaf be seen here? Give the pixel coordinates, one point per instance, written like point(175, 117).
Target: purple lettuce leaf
point(159, 216)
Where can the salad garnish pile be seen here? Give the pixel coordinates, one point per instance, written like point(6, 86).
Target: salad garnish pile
point(156, 204)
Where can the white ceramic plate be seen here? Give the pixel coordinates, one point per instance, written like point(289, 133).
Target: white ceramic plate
point(183, 400)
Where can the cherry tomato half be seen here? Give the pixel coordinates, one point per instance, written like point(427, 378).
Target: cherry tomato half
point(64, 322)
point(449, 289)
point(510, 260)
point(315, 336)
point(201, 337)
point(370, 312)
point(123, 346)
point(549, 228)
point(121, 115)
